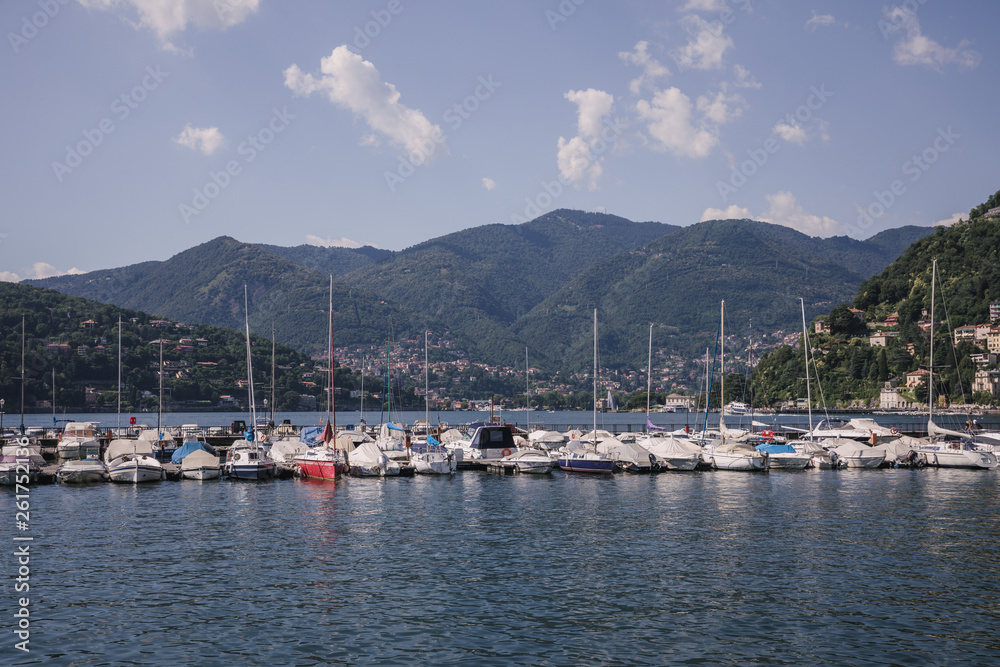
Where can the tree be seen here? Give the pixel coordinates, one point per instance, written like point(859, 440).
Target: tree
point(843, 321)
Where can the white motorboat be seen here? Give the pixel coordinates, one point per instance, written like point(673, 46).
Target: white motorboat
point(79, 440)
point(532, 461)
point(435, 461)
point(132, 462)
point(82, 471)
point(201, 465)
point(22, 470)
point(249, 460)
point(367, 460)
point(673, 453)
point(734, 455)
point(855, 454)
point(784, 457)
point(737, 409)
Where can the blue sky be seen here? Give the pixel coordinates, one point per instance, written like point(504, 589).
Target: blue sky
point(136, 129)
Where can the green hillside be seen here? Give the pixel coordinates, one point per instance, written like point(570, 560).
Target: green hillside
point(78, 339)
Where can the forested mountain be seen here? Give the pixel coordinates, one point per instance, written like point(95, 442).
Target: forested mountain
point(78, 339)
point(968, 273)
point(495, 289)
point(205, 285)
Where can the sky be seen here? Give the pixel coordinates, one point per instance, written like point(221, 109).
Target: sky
point(136, 129)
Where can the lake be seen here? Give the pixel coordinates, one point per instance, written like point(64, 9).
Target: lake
point(812, 567)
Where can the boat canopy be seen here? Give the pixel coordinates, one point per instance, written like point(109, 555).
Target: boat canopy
point(310, 435)
point(493, 437)
point(772, 448)
point(368, 455)
point(627, 452)
point(188, 447)
point(452, 435)
point(286, 449)
point(546, 436)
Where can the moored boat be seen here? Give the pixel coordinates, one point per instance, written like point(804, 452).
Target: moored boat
point(82, 471)
point(132, 462)
point(532, 461)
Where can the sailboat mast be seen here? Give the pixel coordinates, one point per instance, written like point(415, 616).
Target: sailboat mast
point(271, 418)
point(22, 374)
point(333, 407)
point(930, 378)
point(427, 385)
point(649, 370)
point(388, 372)
point(595, 377)
point(159, 405)
point(364, 363)
point(527, 392)
point(119, 373)
point(722, 365)
point(805, 350)
point(253, 407)
point(53, 395)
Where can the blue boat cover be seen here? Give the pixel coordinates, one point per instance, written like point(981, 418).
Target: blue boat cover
point(393, 427)
point(310, 435)
point(431, 440)
point(776, 449)
point(185, 449)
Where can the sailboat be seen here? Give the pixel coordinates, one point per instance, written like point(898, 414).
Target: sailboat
point(247, 458)
point(729, 453)
point(435, 459)
point(580, 457)
point(325, 461)
point(957, 452)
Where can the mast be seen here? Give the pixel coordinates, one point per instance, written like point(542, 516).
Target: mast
point(364, 363)
point(427, 420)
point(595, 377)
point(271, 418)
point(722, 365)
point(388, 372)
point(119, 374)
point(22, 374)
point(527, 392)
point(930, 378)
point(159, 405)
point(53, 395)
point(333, 406)
point(649, 371)
point(805, 350)
point(250, 396)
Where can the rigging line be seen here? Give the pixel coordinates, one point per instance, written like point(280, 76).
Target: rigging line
point(819, 384)
point(951, 337)
point(711, 380)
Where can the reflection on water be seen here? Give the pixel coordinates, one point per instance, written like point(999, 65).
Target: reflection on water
point(818, 567)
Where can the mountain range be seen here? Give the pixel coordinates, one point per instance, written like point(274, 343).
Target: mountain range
point(498, 288)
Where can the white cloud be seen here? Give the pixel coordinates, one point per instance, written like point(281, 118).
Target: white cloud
point(206, 139)
point(167, 17)
point(732, 212)
point(948, 222)
point(915, 48)
point(669, 123)
point(46, 270)
point(785, 210)
point(592, 107)
point(9, 277)
point(652, 68)
point(708, 43)
point(819, 20)
point(791, 132)
point(343, 242)
point(577, 164)
point(704, 6)
point(744, 79)
point(574, 157)
point(355, 84)
point(489, 184)
point(722, 108)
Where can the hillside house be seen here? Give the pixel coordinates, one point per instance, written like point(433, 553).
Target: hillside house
point(889, 398)
point(882, 338)
point(987, 381)
point(994, 310)
point(965, 333)
point(917, 377)
point(983, 358)
point(993, 340)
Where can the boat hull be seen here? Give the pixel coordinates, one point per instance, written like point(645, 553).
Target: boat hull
point(866, 462)
point(207, 472)
point(536, 468)
point(251, 471)
point(329, 470)
point(739, 462)
point(961, 458)
point(135, 474)
point(789, 461)
point(81, 476)
point(586, 465)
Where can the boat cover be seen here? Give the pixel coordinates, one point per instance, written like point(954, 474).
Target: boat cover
point(628, 452)
point(493, 437)
point(121, 447)
point(199, 458)
point(285, 450)
point(546, 436)
point(368, 455)
point(775, 449)
point(452, 435)
point(187, 448)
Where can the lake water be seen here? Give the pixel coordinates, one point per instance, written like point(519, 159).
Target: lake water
point(889, 567)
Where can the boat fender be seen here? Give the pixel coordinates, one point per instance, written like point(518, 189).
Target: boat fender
point(505, 452)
